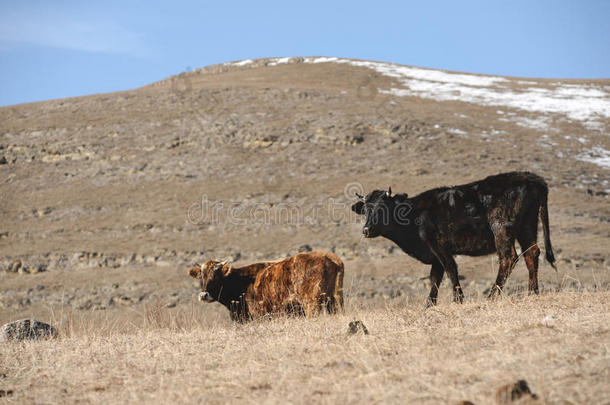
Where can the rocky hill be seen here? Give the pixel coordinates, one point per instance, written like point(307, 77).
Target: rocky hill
point(108, 197)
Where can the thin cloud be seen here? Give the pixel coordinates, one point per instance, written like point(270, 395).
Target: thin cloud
point(71, 32)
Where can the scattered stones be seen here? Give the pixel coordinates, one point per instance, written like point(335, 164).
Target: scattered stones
point(15, 266)
point(6, 393)
point(27, 329)
point(513, 392)
point(41, 212)
point(340, 364)
point(355, 327)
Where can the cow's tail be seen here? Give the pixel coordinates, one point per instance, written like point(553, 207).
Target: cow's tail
point(338, 293)
point(544, 217)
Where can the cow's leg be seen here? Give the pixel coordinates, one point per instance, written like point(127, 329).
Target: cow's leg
point(450, 267)
point(527, 239)
point(531, 255)
point(531, 252)
point(436, 277)
point(338, 290)
point(452, 271)
point(505, 246)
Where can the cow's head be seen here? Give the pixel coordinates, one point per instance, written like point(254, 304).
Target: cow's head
point(382, 210)
point(210, 275)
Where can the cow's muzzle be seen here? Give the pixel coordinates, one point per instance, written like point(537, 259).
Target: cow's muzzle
point(205, 297)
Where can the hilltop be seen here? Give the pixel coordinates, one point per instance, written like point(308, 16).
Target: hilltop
point(108, 198)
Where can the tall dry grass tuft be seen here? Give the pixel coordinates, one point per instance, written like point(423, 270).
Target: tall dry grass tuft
point(557, 342)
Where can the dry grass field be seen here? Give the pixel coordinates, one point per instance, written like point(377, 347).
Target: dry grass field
point(107, 199)
point(558, 342)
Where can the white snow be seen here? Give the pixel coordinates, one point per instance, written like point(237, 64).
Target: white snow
point(241, 62)
point(577, 102)
point(540, 123)
point(279, 61)
point(583, 102)
point(323, 59)
point(456, 131)
point(596, 155)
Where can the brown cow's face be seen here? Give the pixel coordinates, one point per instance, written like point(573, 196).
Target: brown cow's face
point(210, 275)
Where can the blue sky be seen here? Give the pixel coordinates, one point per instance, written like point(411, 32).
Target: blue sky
point(54, 49)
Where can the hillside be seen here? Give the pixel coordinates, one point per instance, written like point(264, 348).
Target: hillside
point(107, 198)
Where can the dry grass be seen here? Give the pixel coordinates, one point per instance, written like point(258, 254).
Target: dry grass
point(558, 342)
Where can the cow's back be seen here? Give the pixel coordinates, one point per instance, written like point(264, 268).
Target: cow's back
point(303, 283)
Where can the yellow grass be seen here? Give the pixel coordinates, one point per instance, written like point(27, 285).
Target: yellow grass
point(558, 342)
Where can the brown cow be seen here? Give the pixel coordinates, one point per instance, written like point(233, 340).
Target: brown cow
point(301, 285)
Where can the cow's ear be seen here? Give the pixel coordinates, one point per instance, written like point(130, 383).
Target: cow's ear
point(223, 268)
point(401, 197)
point(195, 272)
point(357, 208)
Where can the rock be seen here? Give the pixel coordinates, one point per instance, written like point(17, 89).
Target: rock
point(304, 248)
point(514, 392)
point(6, 393)
point(41, 268)
point(27, 329)
point(357, 327)
point(15, 266)
point(3, 160)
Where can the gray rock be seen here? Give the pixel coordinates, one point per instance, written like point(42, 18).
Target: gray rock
point(355, 327)
point(15, 266)
point(305, 248)
point(27, 329)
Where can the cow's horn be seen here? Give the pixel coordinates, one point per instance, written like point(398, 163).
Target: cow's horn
point(360, 196)
point(389, 192)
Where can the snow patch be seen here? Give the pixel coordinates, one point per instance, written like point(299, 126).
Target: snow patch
point(241, 62)
point(279, 61)
point(596, 155)
point(578, 102)
point(586, 103)
point(324, 59)
point(540, 123)
point(456, 131)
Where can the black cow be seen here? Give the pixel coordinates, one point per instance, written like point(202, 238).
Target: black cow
point(473, 219)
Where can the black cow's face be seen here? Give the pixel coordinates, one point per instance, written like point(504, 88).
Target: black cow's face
point(210, 275)
point(382, 211)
